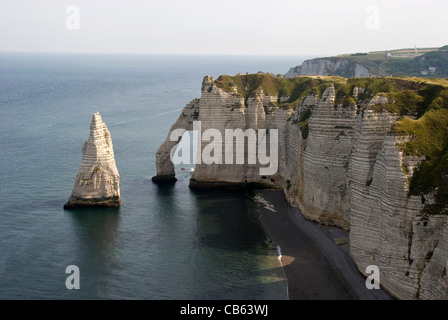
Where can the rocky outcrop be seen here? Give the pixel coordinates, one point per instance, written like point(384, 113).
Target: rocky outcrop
point(97, 183)
point(293, 72)
point(361, 71)
point(388, 229)
point(220, 110)
point(326, 159)
point(164, 163)
point(336, 66)
point(340, 162)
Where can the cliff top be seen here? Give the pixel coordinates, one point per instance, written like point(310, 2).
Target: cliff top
point(421, 62)
point(422, 104)
point(292, 90)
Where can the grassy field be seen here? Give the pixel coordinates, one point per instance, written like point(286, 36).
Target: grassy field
point(381, 54)
point(403, 62)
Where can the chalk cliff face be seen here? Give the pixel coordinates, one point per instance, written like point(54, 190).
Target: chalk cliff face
point(388, 230)
point(329, 66)
point(340, 161)
point(97, 183)
point(164, 165)
point(221, 110)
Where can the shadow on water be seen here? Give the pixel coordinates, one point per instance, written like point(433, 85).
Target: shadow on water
point(229, 215)
point(165, 197)
point(227, 222)
point(165, 190)
point(97, 247)
point(225, 251)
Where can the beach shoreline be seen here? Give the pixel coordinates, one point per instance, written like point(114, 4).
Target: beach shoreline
point(316, 267)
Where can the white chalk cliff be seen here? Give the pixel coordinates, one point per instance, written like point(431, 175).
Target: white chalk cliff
point(329, 66)
point(97, 183)
point(340, 163)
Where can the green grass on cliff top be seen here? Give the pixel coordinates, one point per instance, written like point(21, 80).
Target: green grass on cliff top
point(429, 138)
point(422, 104)
point(295, 89)
point(404, 62)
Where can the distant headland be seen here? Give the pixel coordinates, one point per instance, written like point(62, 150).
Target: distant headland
point(411, 62)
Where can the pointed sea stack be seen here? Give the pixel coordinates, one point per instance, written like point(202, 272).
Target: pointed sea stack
point(98, 182)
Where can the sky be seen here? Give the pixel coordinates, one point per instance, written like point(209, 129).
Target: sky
point(229, 27)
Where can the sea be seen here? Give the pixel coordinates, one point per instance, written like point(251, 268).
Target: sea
point(165, 242)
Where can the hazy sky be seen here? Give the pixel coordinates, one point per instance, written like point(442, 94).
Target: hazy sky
point(281, 27)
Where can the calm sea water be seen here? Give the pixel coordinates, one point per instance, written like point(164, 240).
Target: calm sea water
point(164, 242)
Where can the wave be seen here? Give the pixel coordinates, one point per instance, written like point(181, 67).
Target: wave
point(142, 118)
point(266, 204)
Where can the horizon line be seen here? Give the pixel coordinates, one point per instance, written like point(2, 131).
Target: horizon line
point(164, 54)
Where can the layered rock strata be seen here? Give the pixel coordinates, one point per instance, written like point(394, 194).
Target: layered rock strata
point(164, 163)
point(329, 66)
point(97, 183)
point(341, 164)
point(221, 110)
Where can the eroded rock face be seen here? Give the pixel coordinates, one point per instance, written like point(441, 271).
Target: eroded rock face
point(349, 173)
point(97, 182)
point(341, 166)
point(326, 158)
point(387, 228)
point(164, 165)
point(329, 66)
point(221, 110)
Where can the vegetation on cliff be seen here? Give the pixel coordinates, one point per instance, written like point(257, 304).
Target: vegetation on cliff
point(426, 62)
point(422, 104)
point(404, 62)
point(429, 138)
point(290, 92)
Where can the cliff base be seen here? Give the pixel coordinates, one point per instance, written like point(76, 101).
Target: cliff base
point(74, 203)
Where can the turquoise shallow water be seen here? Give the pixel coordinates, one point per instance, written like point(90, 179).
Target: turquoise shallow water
point(164, 242)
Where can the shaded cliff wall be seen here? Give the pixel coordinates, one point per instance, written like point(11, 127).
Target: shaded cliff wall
point(164, 164)
point(97, 183)
point(388, 230)
point(221, 110)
